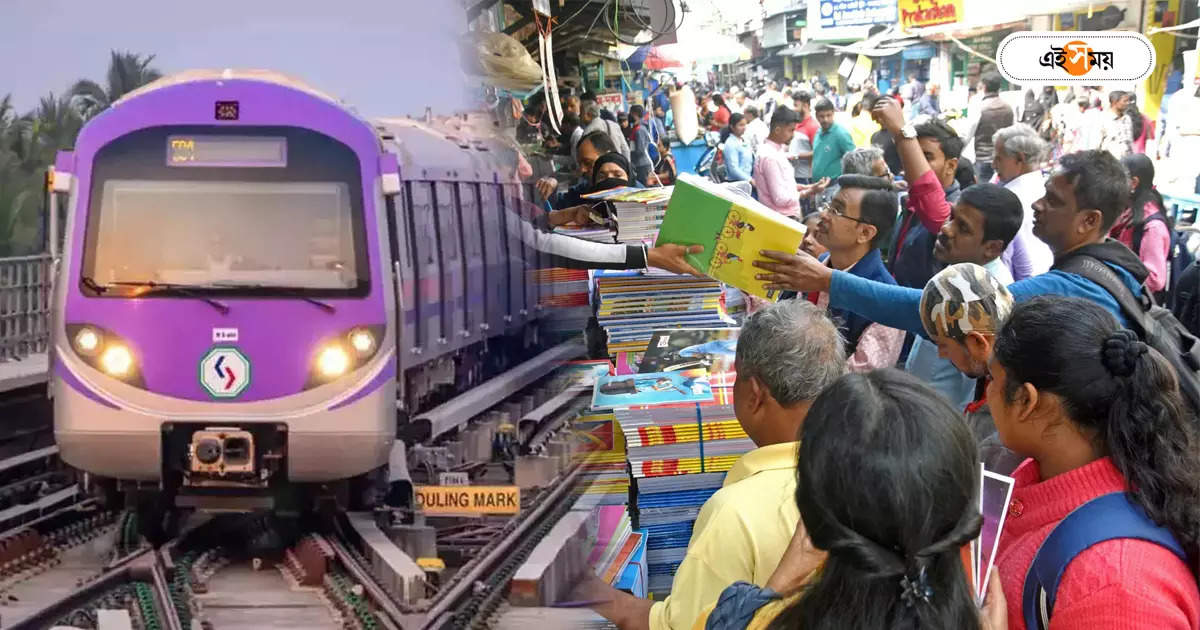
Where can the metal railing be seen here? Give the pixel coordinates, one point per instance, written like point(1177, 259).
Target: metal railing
point(26, 293)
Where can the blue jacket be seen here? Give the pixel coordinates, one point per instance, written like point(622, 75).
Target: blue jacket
point(869, 267)
point(739, 160)
point(899, 307)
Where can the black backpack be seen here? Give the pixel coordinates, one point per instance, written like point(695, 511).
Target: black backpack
point(1179, 257)
point(1156, 325)
point(1185, 298)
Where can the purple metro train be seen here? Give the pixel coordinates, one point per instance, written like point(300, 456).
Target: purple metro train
point(257, 284)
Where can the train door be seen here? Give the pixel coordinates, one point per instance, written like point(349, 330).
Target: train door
point(474, 263)
point(403, 261)
point(495, 247)
point(453, 282)
point(532, 257)
point(424, 232)
point(513, 216)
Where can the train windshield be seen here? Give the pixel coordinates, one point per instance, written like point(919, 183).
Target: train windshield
point(295, 227)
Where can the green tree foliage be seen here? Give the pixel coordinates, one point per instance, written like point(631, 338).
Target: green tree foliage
point(28, 144)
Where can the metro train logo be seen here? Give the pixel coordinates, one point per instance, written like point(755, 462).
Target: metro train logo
point(224, 372)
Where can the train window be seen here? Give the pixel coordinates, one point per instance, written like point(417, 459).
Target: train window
point(299, 227)
point(405, 220)
point(447, 223)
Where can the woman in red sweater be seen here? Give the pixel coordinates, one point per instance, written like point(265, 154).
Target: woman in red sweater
point(1097, 412)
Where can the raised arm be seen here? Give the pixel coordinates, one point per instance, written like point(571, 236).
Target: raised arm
point(925, 197)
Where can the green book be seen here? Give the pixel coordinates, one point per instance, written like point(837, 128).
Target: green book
point(732, 227)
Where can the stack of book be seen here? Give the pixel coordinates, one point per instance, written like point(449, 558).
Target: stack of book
point(667, 507)
point(631, 305)
point(616, 542)
point(637, 212)
point(564, 297)
point(681, 434)
point(596, 233)
point(603, 478)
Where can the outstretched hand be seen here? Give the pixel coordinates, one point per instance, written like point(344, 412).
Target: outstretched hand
point(816, 188)
point(793, 272)
point(670, 256)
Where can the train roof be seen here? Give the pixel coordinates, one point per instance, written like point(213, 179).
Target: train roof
point(448, 147)
point(266, 76)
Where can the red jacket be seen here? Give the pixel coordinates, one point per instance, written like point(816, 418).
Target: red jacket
point(1115, 585)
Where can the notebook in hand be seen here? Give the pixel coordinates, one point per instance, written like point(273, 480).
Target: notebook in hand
point(733, 228)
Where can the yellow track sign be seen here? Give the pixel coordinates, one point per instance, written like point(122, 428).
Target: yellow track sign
point(469, 499)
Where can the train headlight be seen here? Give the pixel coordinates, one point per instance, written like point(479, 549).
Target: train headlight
point(87, 341)
point(117, 360)
point(333, 361)
point(362, 340)
point(106, 351)
point(344, 352)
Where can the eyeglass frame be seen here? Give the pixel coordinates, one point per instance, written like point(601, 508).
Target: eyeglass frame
point(829, 209)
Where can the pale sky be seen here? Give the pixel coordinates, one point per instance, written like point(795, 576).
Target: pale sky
point(385, 57)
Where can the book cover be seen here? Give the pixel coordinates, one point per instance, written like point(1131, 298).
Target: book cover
point(710, 348)
point(621, 560)
point(993, 504)
point(732, 228)
point(653, 388)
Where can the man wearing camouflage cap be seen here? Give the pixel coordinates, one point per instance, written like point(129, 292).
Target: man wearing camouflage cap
point(962, 308)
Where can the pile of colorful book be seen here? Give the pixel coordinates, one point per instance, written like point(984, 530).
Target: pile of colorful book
point(596, 233)
point(631, 305)
point(620, 552)
point(681, 434)
point(603, 478)
point(564, 298)
point(636, 212)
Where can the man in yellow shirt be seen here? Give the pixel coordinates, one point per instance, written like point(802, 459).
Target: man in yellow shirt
point(786, 355)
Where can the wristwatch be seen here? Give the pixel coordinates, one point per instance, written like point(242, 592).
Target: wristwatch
point(908, 131)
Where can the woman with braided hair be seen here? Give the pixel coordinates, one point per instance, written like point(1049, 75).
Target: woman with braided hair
point(1100, 416)
point(888, 493)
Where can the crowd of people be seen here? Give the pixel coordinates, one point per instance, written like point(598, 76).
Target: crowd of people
point(940, 314)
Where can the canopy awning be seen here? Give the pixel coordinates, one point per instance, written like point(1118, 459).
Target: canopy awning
point(888, 42)
point(803, 50)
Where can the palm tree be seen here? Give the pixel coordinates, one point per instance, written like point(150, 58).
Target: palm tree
point(126, 72)
point(50, 128)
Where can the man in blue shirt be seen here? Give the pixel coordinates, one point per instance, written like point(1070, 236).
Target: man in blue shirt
point(1084, 196)
point(830, 144)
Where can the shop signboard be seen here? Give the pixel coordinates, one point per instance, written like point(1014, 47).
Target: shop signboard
point(921, 13)
point(611, 101)
point(841, 13)
point(920, 51)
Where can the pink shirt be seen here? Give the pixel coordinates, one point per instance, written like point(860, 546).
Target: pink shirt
point(878, 346)
point(775, 179)
point(927, 200)
point(1156, 244)
point(1119, 584)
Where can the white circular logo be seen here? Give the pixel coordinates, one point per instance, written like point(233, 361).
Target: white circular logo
point(826, 9)
point(1065, 57)
point(225, 372)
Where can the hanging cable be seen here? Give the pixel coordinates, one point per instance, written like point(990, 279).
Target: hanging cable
point(672, 21)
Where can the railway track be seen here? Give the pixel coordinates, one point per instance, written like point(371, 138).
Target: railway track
point(65, 561)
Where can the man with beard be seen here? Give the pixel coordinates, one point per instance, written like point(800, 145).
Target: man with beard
point(981, 225)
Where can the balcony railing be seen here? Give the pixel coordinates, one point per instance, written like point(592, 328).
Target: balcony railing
point(25, 297)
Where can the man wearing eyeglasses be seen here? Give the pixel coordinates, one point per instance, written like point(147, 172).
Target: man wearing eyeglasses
point(852, 226)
